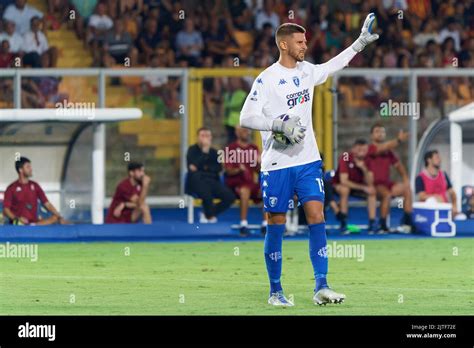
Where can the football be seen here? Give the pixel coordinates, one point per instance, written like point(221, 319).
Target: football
point(280, 137)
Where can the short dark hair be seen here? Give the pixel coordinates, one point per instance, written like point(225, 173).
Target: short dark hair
point(34, 18)
point(134, 165)
point(428, 155)
point(20, 163)
point(203, 129)
point(360, 141)
point(287, 29)
point(376, 125)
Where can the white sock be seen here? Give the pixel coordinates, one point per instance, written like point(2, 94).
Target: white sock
point(243, 223)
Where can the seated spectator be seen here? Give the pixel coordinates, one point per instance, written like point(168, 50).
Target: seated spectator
point(36, 48)
point(149, 39)
point(353, 178)
point(189, 44)
point(451, 31)
point(6, 58)
point(129, 201)
point(99, 24)
point(118, 46)
point(216, 39)
point(203, 177)
point(14, 39)
point(240, 14)
point(21, 14)
point(83, 10)
point(240, 174)
point(267, 15)
point(433, 183)
point(380, 159)
point(20, 203)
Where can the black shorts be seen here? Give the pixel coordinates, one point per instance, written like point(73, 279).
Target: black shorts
point(358, 193)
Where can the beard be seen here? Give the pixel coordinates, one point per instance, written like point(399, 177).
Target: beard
point(296, 55)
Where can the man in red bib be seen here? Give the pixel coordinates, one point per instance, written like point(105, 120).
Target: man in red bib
point(380, 160)
point(353, 178)
point(20, 204)
point(432, 182)
point(128, 204)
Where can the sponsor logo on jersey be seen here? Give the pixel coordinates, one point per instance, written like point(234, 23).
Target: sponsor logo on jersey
point(281, 82)
point(260, 81)
point(300, 97)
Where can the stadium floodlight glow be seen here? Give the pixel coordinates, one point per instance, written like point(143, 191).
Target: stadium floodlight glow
point(78, 113)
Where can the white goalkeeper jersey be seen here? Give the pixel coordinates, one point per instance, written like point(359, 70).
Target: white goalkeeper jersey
point(279, 90)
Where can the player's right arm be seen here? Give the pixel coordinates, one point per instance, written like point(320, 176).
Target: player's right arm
point(7, 203)
point(252, 115)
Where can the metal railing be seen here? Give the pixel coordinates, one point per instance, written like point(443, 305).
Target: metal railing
point(101, 75)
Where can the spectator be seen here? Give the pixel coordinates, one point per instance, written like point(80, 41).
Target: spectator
point(118, 47)
point(433, 183)
point(99, 24)
point(240, 14)
point(21, 14)
point(36, 48)
point(6, 57)
point(240, 174)
point(14, 39)
point(189, 43)
point(216, 39)
point(149, 39)
point(20, 204)
point(353, 178)
point(203, 177)
point(129, 201)
point(83, 11)
point(233, 101)
point(267, 15)
point(427, 34)
point(334, 37)
point(380, 159)
point(451, 31)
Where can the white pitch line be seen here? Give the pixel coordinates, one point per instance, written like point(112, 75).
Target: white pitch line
point(35, 276)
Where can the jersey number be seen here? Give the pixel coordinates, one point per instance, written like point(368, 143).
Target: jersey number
point(320, 184)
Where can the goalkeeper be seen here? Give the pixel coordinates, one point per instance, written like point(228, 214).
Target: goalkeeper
point(294, 165)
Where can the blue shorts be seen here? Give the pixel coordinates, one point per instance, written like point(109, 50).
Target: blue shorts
point(280, 185)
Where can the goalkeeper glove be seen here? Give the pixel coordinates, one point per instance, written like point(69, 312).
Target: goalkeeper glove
point(291, 128)
point(366, 35)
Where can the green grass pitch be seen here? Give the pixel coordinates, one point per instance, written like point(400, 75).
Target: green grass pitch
point(396, 277)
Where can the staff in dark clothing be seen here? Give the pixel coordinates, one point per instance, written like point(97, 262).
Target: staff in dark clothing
point(203, 177)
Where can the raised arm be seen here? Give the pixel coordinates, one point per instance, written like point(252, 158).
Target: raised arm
point(322, 71)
